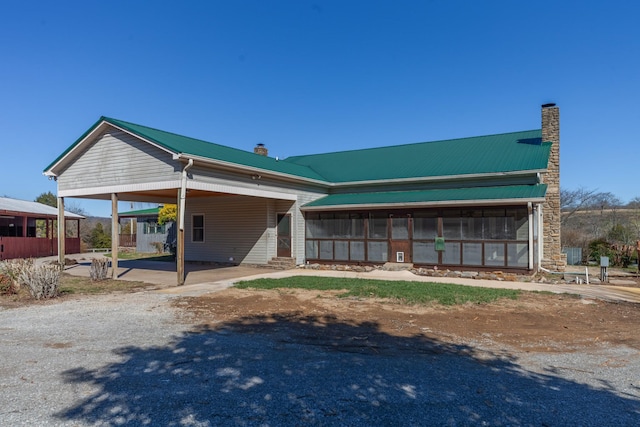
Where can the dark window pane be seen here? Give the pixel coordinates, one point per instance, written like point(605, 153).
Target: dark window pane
point(312, 249)
point(357, 251)
point(425, 226)
point(341, 250)
point(378, 226)
point(472, 254)
point(400, 228)
point(377, 251)
point(494, 254)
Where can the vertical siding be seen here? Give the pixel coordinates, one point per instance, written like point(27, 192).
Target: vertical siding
point(235, 228)
point(144, 242)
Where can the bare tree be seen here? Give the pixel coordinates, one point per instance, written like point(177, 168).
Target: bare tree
point(571, 201)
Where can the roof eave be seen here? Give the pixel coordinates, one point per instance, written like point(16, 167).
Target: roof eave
point(439, 178)
point(253, 170)
point(442, 203)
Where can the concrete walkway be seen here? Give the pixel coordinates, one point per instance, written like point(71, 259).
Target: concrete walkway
point(203, 279)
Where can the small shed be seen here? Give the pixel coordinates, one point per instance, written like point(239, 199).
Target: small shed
point(29, 230)
point(144, 233)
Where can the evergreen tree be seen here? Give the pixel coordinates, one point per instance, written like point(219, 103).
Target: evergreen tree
point(99, 238)
point(48, 199)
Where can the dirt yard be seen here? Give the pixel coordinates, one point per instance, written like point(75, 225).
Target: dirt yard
point(533, 323)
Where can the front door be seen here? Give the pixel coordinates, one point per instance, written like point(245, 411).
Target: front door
point(284, 235)
point(400, 243)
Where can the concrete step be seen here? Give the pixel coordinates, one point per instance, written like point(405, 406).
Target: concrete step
point(281, 263)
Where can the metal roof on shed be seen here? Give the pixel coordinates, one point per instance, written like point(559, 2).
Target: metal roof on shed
point(141, 212)
point(8, 205)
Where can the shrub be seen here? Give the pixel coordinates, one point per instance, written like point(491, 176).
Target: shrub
point(42, 281)
point(99, 268)
point(7, 286)
point(159, 247)
point(10, 274)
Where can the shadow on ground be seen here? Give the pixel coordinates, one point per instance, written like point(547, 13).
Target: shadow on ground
point(286, 370)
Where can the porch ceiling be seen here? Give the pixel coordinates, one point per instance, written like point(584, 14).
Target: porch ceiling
point(154, 196)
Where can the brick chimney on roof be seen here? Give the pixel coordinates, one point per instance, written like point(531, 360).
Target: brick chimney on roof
point(552, 256)
point(261, 149)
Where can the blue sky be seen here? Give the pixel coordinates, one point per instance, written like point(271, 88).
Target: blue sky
point(307, 77)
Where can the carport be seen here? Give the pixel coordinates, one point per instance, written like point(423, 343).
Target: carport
point(237, 206)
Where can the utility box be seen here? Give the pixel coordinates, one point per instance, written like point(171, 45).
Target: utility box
point(604, 265)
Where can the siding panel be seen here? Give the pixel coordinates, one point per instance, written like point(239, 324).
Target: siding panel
point(235, 228)
point(118, 158)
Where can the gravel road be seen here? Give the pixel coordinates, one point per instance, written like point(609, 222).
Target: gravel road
point(132, 360)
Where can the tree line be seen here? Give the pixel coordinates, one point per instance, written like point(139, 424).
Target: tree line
point(601, 224)
point(96, 232)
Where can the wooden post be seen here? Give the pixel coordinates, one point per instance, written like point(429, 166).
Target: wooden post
point(61, 232)
point(179, 241)
point(114, 236)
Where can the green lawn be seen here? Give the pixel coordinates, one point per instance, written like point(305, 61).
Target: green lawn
point(405, 292)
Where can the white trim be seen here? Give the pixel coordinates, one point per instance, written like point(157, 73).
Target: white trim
point(530, 212)
point(421, 204)
point(242, 191)
point(124, 188)
point(175, 184)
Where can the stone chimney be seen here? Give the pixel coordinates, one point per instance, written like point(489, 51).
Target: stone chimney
point(552, 256)
point(261, 149)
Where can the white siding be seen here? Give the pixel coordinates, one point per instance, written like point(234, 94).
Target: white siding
point(235, 227)
point(117, 158)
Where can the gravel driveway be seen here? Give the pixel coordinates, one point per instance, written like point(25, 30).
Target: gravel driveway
point(131, 360)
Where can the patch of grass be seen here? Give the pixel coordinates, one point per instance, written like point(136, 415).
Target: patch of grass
point(405, 292)
point(85, 286)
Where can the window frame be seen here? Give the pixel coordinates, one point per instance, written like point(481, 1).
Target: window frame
point(193, 227)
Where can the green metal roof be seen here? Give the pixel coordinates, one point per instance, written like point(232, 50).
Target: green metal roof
point(180, 144)
point(502, 153)
point(497, 193)
point(492, 154)
point(141, 212)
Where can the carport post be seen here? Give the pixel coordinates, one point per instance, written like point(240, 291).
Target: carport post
point(114, 236)
point(180, 240)
point(61, 232)
point(181, 206)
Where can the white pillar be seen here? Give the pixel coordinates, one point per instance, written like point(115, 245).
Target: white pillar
point(114, 236)
point(61, 232)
